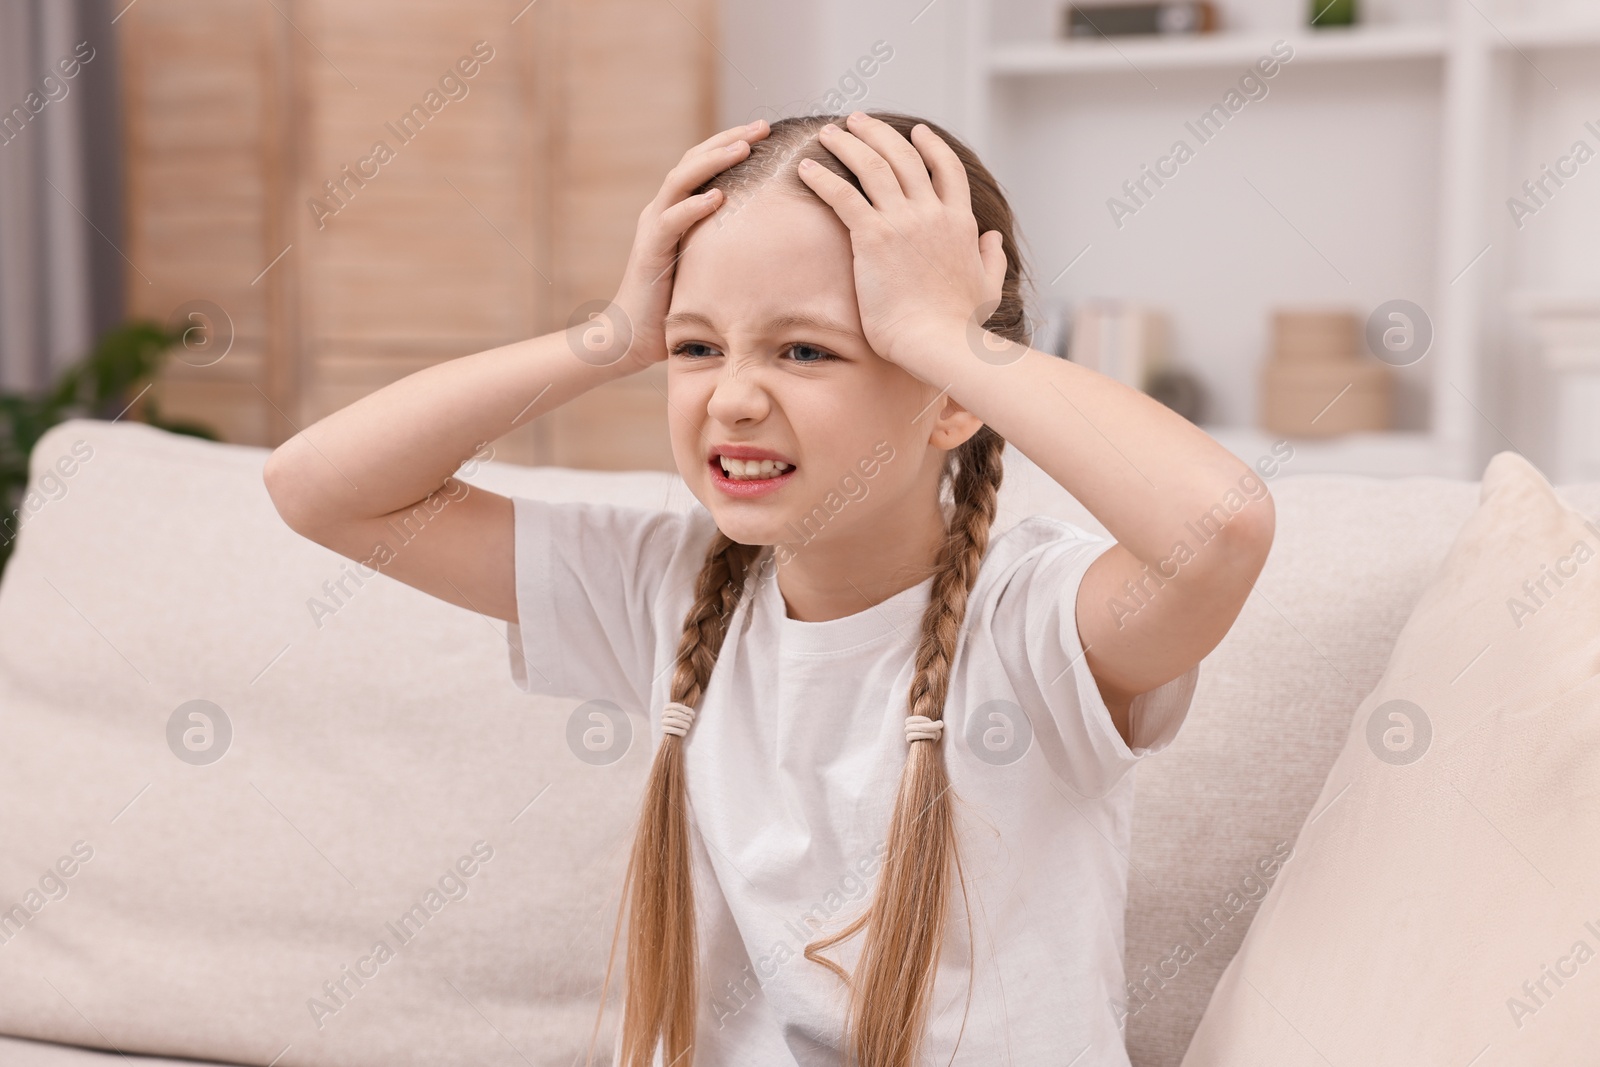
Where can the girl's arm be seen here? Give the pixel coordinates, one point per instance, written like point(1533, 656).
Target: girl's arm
point(1193, 523)
point(375, 481)
point(923, 275)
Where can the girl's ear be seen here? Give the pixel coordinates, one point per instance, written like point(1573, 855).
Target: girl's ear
point(954, 426)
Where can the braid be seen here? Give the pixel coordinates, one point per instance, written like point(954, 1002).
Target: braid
point(661, 972)
point(906, 919)
point(977, 491)
point(718, 591)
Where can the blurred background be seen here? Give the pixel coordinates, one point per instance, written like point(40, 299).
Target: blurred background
point(1363, 227)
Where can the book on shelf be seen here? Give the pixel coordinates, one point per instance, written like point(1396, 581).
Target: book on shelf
point(1121, 339)
point(1138, 19)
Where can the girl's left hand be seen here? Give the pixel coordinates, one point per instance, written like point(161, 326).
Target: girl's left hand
point(922, 272)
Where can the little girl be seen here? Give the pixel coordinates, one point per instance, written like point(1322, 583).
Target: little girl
point(887, 821)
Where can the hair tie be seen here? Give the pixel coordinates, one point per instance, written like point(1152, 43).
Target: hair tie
point(922, 728)
point(676, 718)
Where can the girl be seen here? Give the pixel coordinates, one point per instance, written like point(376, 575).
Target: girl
point(874, 728)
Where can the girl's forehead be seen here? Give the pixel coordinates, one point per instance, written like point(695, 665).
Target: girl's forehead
point(769, 257)
point(762, 225)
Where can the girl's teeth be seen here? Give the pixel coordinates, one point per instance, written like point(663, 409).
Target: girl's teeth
point(746, 469)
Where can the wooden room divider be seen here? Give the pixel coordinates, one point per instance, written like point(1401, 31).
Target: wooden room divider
point(335, 193)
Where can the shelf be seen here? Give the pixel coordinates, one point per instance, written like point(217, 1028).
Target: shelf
point(1547, 34)
point(1392, 454)
point(1216, 50)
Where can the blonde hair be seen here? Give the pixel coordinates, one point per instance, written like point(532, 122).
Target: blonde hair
point(906, 917)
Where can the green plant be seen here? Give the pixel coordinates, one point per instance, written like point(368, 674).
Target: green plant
point(1333, 13)
point(100, 386)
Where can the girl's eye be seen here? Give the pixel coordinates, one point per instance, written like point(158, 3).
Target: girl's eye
point(682, 348)
point(821, 356)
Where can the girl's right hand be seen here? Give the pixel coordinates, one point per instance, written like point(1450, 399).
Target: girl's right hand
point(646, 290)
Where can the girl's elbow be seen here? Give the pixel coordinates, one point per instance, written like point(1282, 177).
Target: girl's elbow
point(285, 488)
point(1250, 534)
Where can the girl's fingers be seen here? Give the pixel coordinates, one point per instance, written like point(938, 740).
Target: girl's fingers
point(696, 170)
point(991, 250)
point(657, 248)
point(685, 213)
point(876, 174)
point(750, 130)
point(851, 207)
point(707, 160)
point(902, 156)
point(949, 176)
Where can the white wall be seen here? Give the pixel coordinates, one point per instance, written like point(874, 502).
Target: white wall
point(797, 53)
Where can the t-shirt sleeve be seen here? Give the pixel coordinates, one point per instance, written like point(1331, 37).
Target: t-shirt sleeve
point(587, 579)
point(1037, 630)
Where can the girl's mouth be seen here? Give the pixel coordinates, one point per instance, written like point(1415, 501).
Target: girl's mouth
point(747, 479)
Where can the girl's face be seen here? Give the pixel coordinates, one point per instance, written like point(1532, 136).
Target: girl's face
point(766, 353)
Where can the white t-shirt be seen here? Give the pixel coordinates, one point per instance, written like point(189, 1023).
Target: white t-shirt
point(795, 757)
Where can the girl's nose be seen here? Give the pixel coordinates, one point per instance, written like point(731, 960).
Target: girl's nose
point(739, 392)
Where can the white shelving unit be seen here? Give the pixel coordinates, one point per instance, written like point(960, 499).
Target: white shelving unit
point(1213, 50)
point(1467, 62)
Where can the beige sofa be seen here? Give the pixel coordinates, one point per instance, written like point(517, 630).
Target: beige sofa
point(380, 779)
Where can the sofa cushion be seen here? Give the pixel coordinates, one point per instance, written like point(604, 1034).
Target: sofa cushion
point(20, 1052)
point(1442, 893)
point(376, 743)
point(1215, 812)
